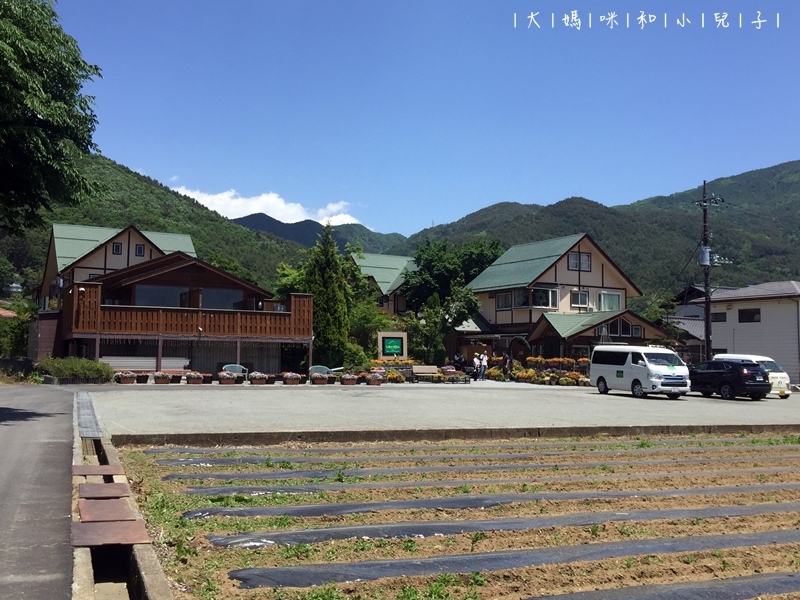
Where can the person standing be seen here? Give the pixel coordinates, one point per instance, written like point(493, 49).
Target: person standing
point(484, 365)
point(506, 366)
point(476, 367)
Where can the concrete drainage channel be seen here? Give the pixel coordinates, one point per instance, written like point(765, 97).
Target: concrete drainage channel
point(105, 566)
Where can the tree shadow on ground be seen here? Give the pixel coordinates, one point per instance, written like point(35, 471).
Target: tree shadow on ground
point(12, 415)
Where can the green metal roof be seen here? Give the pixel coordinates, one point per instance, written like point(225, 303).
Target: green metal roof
point(568, 325)
point(386, 269)
point(522, 264)
point(74, 241)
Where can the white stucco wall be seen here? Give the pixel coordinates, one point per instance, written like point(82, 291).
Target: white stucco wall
point(777, 335)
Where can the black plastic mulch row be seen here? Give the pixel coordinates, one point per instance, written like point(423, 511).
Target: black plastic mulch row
point(467, 501)
point(262, 490)
point(258, 460)
point(326, 473)
point(320, 574)
point(431, 529)
point(732, 588)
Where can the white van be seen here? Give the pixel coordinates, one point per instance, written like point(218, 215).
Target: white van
point(777, 376)
point(641, 369)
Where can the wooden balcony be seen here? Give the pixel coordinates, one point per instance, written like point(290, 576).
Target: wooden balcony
point(84, 315)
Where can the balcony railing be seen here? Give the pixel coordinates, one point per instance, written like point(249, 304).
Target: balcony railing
point(83, 314)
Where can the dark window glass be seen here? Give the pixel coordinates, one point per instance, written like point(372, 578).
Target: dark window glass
point(749, 315)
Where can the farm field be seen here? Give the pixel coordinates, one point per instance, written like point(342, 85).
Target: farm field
point(511, 519)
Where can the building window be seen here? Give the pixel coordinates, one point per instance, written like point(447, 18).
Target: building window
point(579, 299)
point(116, 248)
point(613, 327)
point(636, 331)
point(545, 298)
point(139, 249)
point(749, 315)
point(579, 261)
point(719, 317)
point(624, 328)
point(609, 301)
point(522, 298)
point(503, 301)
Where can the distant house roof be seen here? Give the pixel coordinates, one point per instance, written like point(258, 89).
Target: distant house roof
point(762, 291)
point(694, 326)
point(386, 269)
point(74, 241)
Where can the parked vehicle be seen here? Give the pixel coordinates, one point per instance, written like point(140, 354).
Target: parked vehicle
point(730, 378)
point(777, 376)
point(641, 369)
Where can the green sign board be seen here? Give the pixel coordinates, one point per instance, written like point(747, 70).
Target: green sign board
point(392, 346)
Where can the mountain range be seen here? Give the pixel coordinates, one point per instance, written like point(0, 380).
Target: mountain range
point(655, 240)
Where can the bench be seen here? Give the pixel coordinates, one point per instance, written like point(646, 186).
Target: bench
point(142, 364)
point(424, 372)
point(451, 375)
point(237, 369)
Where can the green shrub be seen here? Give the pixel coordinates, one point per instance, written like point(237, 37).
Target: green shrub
point(354, 356)
point(495, 374)
point(75, 367)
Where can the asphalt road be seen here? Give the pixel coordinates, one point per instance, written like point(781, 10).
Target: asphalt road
point(36, 437)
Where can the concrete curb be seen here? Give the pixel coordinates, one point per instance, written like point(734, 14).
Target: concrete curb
point(268, 438)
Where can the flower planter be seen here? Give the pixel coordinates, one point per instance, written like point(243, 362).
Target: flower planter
point(239, 379)
point(127, 380)
point(226, 381)
point(193, 381)
point(144, 378)
point(331, 379)
point(207, 378)
point(258, 382)
point(374, 382)
point(349, 381)
point(161, 381)
point(291, 382)
point(176, 378)
point(319, 381)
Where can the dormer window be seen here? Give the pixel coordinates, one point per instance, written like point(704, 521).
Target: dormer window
point(116, 248)
point(139, 249)
point(579, 261)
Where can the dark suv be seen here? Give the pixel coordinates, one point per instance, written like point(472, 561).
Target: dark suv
point(730, 378)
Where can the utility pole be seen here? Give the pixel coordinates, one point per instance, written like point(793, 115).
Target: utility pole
point(705, 262)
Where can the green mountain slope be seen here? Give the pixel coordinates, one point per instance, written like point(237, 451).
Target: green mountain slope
point(129, 198)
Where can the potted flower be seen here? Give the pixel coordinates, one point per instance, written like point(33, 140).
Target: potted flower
point(142, 377)
point(125, 377)
point(194, 378)
point(395, 376)
point(161, 377)
point(207, 378)
point(375, 379)
point(257, 378)
point(226, 377)
point(319, 379)
point(290, 378)
point(349, 379)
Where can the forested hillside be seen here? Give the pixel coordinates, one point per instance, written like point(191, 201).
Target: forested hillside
point(129, 198)
point(655, 241)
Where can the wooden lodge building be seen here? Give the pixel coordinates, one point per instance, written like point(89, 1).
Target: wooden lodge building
point(144, 301)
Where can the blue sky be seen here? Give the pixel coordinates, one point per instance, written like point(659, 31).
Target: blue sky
point(403, 114)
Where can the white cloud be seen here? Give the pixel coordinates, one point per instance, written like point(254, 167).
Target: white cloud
point(230, 204)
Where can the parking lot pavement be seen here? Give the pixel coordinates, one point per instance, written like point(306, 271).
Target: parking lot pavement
point(485, 405)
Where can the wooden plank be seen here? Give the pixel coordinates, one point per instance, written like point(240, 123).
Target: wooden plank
point(103, 490)
point(97, 470)
point(109, 509)
point(105, 533)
